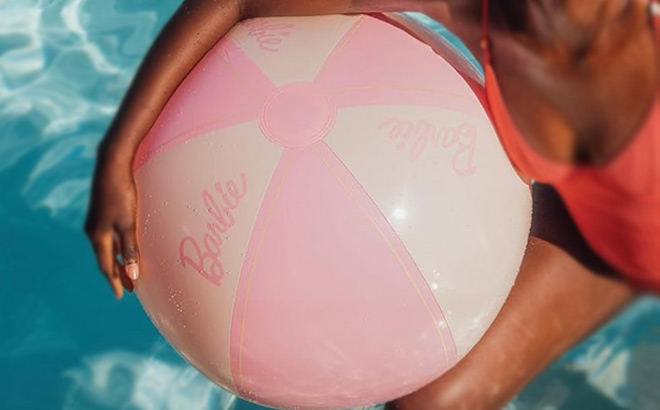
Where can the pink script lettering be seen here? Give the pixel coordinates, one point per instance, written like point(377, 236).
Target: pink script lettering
point(205, 256)
point(417, 138)
point(269, 35)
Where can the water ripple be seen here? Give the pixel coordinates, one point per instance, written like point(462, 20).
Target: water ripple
point(64, 67)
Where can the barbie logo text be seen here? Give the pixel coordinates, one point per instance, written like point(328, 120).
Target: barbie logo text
point(204, 256)
point(269, 35)
point(417, 138)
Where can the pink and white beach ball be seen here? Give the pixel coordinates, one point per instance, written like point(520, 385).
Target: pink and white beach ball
point(326, 217)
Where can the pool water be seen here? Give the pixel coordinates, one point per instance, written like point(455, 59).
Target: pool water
point(65, 343)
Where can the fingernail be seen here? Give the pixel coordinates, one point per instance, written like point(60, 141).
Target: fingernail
point(117, 293)
point(133, 271)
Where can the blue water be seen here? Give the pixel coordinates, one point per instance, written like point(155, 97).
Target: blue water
point(65, 343)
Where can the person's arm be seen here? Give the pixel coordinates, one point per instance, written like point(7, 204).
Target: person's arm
point(192, 31)
point(195, 27)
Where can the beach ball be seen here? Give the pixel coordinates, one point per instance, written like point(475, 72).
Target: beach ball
point(326, 217)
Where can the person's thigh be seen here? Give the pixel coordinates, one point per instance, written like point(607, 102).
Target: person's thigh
point(562, 293)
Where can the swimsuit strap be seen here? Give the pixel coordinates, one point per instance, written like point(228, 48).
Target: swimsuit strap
point(485, 39)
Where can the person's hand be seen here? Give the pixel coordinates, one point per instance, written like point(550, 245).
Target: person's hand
point(110, 224)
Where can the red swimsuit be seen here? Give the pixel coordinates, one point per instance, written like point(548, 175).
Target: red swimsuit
point(617, 206)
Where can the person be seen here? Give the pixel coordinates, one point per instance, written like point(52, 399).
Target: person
point(572, 87)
